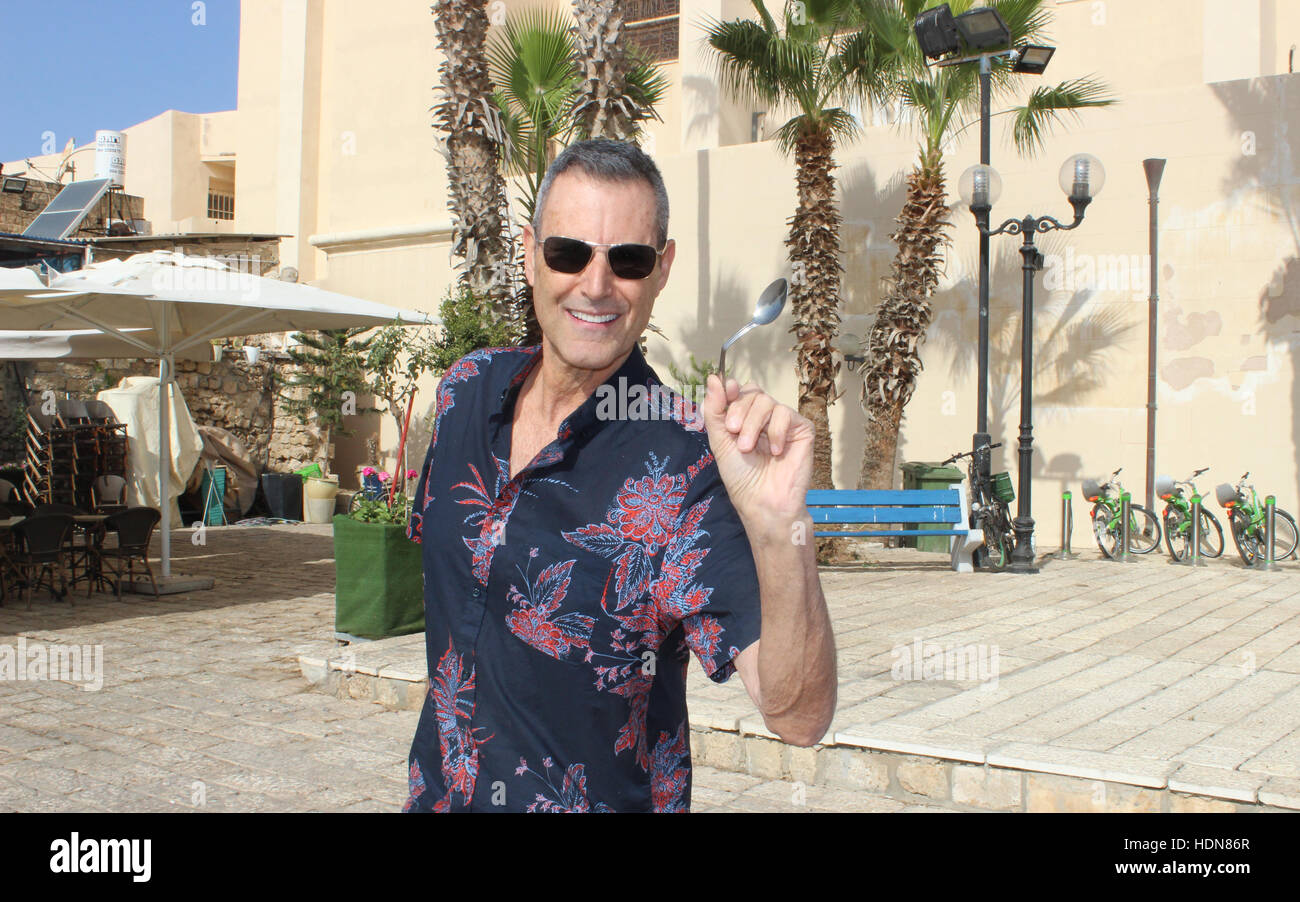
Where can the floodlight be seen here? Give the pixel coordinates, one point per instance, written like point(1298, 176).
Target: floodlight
point(982, 28)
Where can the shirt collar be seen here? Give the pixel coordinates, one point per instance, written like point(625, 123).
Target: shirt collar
point(635, 370)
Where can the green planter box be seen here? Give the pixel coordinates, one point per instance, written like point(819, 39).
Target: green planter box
point(378, 580)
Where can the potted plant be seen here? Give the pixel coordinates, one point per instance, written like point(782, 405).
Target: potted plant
point(378, 578)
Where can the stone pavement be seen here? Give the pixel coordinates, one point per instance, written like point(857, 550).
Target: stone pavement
point(1134, 686)
point(203, 705)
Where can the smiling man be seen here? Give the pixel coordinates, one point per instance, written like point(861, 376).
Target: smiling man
point(574, 562)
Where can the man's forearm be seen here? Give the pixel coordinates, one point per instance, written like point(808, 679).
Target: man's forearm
point(796, 652)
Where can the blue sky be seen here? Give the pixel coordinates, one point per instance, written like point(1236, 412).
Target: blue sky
point(74, 66)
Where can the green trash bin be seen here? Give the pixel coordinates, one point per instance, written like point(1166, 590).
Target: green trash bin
point(920, 475)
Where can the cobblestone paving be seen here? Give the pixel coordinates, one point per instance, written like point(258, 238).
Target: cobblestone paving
point(204, 707)
point(203, 704)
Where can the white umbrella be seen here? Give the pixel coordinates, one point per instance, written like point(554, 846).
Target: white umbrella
point(182, 302)
point(82, 344)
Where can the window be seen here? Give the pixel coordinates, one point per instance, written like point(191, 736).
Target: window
point(221, 200)
point(652, 25)
point(221, 206)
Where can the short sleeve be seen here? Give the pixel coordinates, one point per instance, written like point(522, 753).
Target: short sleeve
point(722, 614)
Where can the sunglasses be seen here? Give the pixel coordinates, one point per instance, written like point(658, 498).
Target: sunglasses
point(571, 256)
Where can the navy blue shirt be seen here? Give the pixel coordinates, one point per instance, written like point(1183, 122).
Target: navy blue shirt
point(561, 606)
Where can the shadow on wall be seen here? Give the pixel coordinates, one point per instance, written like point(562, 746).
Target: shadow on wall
point(1266, 120)
point(1076, 334)
point(725, 304)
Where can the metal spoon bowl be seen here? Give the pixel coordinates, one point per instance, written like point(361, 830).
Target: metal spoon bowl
point(770, 304)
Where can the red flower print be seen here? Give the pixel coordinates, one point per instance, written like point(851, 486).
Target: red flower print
point(647, 508)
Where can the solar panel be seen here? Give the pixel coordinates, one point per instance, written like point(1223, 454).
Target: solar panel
point(61, 218)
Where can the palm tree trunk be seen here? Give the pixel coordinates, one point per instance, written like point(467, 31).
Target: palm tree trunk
point(466, 116)
point(893, 351)
point(814, 243)
point(603, 109)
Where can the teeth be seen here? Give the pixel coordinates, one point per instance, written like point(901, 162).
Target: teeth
point(589, 318)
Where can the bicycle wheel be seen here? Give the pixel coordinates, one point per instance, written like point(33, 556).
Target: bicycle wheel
point(1143, 530)
point(1211, 535)
point(1247, 540)
point(1107, 539)
point(997, 545)
point(1285, 538)
point(1176, 540)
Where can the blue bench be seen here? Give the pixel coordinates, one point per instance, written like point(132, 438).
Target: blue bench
point(907, 508)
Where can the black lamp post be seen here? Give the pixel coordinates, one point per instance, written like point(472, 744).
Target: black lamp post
point(1082, 178)
point(940, 34)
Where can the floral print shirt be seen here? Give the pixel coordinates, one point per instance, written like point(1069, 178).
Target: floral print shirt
point(562, 605)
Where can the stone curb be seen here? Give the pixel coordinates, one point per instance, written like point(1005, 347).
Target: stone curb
point(1011, 777)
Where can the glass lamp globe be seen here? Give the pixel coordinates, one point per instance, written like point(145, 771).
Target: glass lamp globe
point(980, 185)
point(1082, 176)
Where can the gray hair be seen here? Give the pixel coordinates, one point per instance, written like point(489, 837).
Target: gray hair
point(611, 161)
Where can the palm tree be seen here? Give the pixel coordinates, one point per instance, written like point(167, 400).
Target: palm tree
point(936, 97)
point(603, 107)
point(473, 138)
point(820, 58)
point(535, 65)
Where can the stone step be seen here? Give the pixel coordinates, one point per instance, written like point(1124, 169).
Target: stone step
point(1008, 777)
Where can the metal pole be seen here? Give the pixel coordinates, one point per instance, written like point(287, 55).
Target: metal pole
point(1022, 556)
point(1195, 558)
point(982, 416)
point(1125, 506)
point(1154, 170)
point(1067, 527)
point(165, 445)
point(1270, 524)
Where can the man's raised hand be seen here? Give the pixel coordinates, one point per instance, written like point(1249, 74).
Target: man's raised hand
point(764, 452)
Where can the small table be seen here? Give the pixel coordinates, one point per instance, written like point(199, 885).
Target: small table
point(92, 527)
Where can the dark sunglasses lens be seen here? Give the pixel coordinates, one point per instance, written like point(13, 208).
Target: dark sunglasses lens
point(632, 261)
point(566, 255)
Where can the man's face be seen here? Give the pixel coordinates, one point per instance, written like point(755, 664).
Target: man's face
point(600, 212)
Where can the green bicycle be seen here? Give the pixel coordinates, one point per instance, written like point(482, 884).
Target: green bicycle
point(1143, 527)
point(1177, 518)
point(1246, 517)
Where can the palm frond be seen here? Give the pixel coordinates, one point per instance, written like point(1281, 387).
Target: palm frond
point(1046, 106)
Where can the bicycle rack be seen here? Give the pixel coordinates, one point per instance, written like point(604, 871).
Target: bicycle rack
point(1123, 554)
point(1067, 529)
point(1194, 557)
point(1267, 560)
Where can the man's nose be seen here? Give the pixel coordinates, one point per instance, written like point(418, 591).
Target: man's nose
point(598, 278)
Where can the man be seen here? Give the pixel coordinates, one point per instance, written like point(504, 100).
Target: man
point(573, 560)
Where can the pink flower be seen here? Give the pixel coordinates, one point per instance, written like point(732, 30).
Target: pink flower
point(411, 474)
point(368, 471)
point(384, 476)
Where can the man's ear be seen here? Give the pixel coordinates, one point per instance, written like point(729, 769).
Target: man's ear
point(666, 261)
point(529, 259)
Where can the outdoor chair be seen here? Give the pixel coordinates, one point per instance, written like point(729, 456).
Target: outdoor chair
point(7, 491)
point(42, 549)
point(108, 495)
point(134, 527)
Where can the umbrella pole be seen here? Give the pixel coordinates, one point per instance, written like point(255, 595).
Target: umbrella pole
point(401, 448)
point(165, 455)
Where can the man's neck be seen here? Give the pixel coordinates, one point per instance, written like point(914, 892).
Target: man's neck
point(554, 389)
